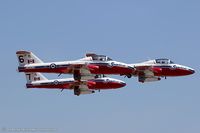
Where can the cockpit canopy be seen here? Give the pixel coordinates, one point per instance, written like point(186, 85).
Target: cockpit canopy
point(164, 61)
point(98, 57)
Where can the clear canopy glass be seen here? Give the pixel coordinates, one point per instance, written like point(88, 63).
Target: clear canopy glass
point(164, 61)
point(101, 58)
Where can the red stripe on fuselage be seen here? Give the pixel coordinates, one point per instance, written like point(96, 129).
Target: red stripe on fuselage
point(106, 85)
point(101, 69)
point(47, 70)
point(104, 69)
point(173, 72)
point(49, 86)
point(91, 85)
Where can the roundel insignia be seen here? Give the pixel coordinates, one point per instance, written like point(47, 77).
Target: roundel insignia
point(56, 82)
point(53, 66)
point(112, 64)
point(174, 66)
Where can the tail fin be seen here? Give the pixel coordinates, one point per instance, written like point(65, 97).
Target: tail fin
point(30, 77)
point(26, 57)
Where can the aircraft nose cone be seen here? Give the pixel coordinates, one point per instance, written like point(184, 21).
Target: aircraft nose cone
point(122, 84)
point(192, 71)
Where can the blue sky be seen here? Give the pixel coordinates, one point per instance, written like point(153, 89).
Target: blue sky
point(129, 31)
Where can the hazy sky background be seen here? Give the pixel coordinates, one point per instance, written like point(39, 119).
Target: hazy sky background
point(126, 30)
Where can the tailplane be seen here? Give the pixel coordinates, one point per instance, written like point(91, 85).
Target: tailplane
point(31, 77)
point(26, 57)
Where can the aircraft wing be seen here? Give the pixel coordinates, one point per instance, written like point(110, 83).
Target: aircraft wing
point(85, 90)
point(82, 71)
point(147, 73)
